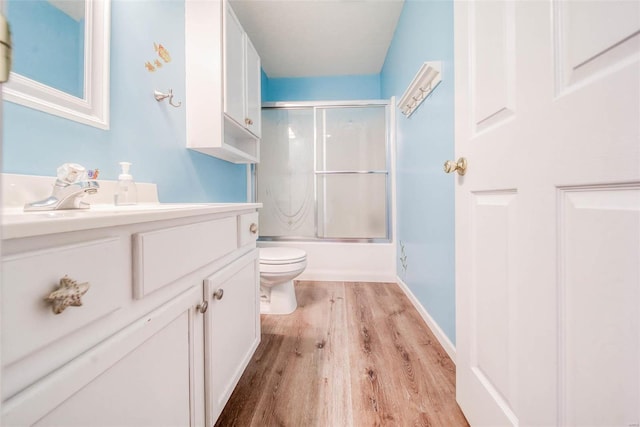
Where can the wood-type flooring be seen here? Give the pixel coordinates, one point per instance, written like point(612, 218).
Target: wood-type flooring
point(352, 354)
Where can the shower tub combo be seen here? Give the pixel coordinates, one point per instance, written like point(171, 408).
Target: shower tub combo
point(326, 183)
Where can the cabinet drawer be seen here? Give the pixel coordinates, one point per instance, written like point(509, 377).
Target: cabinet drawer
point(29, 277)
point(248, 229)
point(160, 257)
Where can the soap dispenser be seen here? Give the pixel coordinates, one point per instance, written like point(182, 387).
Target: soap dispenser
point(126, 191)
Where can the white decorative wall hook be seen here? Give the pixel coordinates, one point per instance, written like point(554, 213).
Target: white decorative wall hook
point(427, 78)
point(161, 96)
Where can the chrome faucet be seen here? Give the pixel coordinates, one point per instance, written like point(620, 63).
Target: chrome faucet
point(72, 184)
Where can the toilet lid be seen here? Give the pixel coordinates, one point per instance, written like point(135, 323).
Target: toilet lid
point(282, 255)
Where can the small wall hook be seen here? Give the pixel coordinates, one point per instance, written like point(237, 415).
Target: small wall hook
point(159, 96)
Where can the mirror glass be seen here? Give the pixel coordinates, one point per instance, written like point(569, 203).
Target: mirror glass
point(48, 41)
point(61, 58)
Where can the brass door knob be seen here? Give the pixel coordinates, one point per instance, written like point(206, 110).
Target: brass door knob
point(460, 166)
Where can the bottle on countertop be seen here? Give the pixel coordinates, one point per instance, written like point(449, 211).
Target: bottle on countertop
point(126, 191)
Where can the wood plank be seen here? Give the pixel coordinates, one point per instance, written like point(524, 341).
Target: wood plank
point(351, 354)
point(400, 373)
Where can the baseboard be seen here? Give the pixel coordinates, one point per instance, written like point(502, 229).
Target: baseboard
point(439, 333)
point(345, 276)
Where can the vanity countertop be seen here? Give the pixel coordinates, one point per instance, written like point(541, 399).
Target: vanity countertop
point(16, 223)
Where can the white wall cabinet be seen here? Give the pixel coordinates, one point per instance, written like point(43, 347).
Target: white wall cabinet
point(144, 348)
point(223, 84)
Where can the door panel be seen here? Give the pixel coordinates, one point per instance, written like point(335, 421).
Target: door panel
point(591, 36)
point(599, 293)
point(493, 291)
point(492, 50)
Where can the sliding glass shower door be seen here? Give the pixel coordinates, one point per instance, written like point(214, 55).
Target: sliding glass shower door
point(324, 172)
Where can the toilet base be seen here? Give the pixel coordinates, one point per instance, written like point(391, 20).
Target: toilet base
point(281, 299)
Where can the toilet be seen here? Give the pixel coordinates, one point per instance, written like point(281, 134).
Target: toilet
point(278, 267)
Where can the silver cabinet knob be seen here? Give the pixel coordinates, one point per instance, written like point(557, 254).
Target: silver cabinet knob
point(68, 294)
point(253, 228)
point(218, 294)
point(202, 307)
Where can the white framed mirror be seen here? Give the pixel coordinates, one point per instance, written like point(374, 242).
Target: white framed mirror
point(47, 78)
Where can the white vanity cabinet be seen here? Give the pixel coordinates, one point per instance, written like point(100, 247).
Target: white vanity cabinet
point(152, 343)
point(222, 83)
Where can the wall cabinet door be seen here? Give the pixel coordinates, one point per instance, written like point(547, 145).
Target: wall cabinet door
point(232, 329)
point(253, 89)
point(148, 374)
point(234, 75)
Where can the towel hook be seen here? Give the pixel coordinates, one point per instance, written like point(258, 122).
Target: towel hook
point(161, 96)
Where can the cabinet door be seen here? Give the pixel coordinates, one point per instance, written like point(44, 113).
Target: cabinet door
point(232, 329)
point(234, 96)
point(148, 374)
point(254, 98)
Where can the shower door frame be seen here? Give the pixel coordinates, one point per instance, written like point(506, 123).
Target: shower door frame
point(315, 105)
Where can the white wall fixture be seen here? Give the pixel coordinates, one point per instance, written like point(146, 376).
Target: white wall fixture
point(427, 78)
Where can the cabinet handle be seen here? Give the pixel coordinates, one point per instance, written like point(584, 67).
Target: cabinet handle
point(68, 293)
point(248, 121)
point(202, 307)
point(253, 228)
point(218, 294)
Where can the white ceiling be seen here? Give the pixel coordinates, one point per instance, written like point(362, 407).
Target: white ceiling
point(73, 8)
point(310, 38)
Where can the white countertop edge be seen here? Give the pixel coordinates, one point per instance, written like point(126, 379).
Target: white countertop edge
point(17, 224)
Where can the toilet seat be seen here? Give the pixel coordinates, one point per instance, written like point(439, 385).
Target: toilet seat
point(280, 269)
point(281, 256)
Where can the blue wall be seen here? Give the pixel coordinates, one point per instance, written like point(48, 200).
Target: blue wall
point(333, 88)
point(425, 195)
point(151, 135)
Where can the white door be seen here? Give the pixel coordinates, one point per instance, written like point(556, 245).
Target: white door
point(548, 213)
